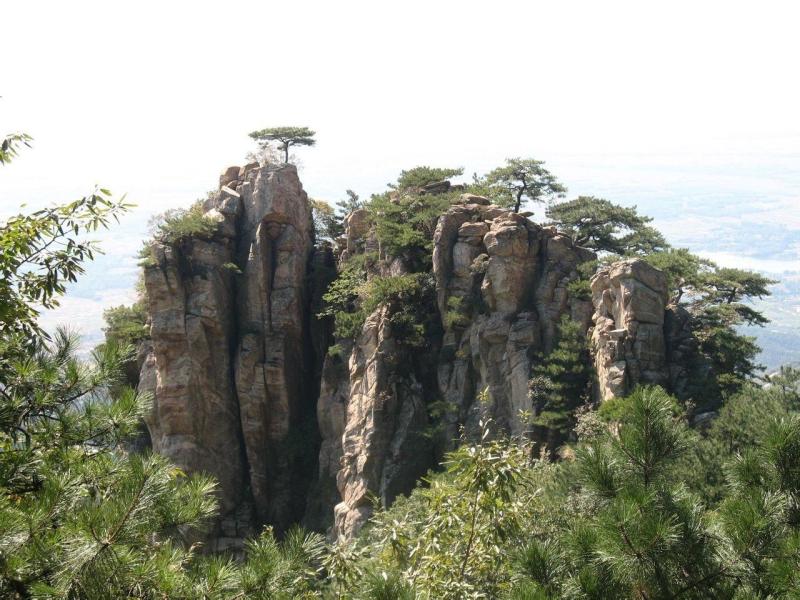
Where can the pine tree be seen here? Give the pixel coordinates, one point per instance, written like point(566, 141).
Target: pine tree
point(521, 180)
point(79, 518)
point(559, 385)
point(286, 137)
point(605, 227)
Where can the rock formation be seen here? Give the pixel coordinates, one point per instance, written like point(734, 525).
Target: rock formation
point(229, 366)
point(235, 357)
point(501, 286)
point(629, 299)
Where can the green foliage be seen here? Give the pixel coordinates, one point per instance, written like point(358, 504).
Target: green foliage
point(125, 325)
point(78, 517)
point(457, 314)
point(232, 267)
point(40, 253)
point(521, 180)
point(642, 536)
point(352, 297)
point(404, 224)
point(285, 136)
point(605, 227)
point(287, 569)
point(342, 295)
point(716, 297)
point(616, 522)
point(327, 224)
point(760, 518)
point(450, 539)
point(179, 224)
point(730, 287)
point(559, 385)
point(349, 204)
point(419, 177)
point(685, 271)
point(732, 355)
point(743, 420)
point(405, 219)
point(9, 148)
point(718, 300)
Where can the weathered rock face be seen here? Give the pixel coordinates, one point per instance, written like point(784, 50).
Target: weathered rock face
point(382, 450)
point(628, 339)
point(275, 242)
point(195, 416)
point(235, 360)
point(229, 368)
point(501, 286)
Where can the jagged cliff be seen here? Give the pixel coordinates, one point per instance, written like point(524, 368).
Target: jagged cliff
point(230, 365)
point(245, 389)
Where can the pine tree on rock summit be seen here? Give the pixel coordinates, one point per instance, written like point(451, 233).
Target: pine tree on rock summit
point(285, 136)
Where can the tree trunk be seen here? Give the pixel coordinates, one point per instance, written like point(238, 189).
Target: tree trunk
point(519, 201)
point(286, 153)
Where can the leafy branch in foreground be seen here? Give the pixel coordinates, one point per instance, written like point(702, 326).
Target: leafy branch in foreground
point(40, 253)
point(9, 148)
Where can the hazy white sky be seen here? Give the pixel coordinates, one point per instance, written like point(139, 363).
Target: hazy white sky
point(155, 98)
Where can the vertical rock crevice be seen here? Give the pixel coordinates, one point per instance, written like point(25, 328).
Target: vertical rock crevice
point(227, 366)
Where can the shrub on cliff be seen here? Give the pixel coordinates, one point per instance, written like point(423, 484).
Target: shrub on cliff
point(178, 224)
point(419, 177)
point(351, 298)
point(125, 324)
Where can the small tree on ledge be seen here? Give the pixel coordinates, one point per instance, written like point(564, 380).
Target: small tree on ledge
point(523, 179)
point(285, 136)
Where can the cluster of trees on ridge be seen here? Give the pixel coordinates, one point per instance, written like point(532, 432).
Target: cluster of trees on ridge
point(644, 506)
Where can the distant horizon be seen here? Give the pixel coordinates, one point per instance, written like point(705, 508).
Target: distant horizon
point(85, 301)
point(688, 111)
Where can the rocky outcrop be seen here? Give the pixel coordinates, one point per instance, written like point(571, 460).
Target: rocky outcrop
point(383, 452)
point(501, 286)
point(628, 339)
point(229, 367)
point(248, 387)
point(195, 416)
point(274, 246)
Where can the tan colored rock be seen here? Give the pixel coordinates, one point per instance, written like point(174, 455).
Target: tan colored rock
point(229, 175)
point(474, 199)
point(628, 341)
point(194, 420)
point(381, 456)
point(269, 364)
point(228, 369)
point(251, 166)
point(521, 273)
point(357, 227)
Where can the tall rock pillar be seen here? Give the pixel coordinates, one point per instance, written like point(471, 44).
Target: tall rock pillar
point(629, 300)
point(227, 367)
